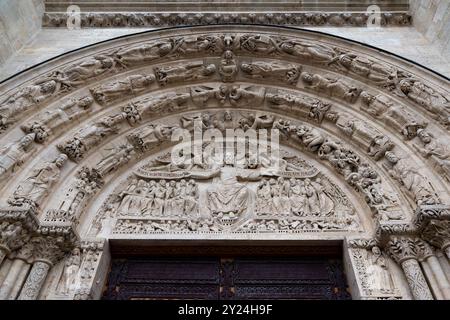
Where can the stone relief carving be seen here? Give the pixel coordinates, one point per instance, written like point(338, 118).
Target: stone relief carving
point(414, 182)
point(159, 198)
point(404, 121)
point(375, 143)
point(155, 105)
point(150, 137)
point(15, 154)
point(436, 150)
point(86, 70)
point(192, 71)
point(13, 235)
point(90, 261)
point(86, 184)
point(25, 99)
point(372, 269)
point(34, 189)
point(90, 135)
point(309, 107)
point(436, 103)
point(148, 51)
point(68, 281)
point(272, 71)
point(357, 173)
point(119, 89)
point(306, 50)
point(333, 87)
point(125, 19)
point(48, 122)
point(228, 69)
point(381, 74)
point(228, 194)
point(116, 157)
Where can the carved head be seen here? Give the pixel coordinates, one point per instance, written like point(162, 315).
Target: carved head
point(293, 182)
point(346, 60)
point(165, 48)
point(48, 87)
point(287, 47)
point(76, 252)
point(424, 136)
point(228, 55)
point(307, 77)
point(246, 67)
point(61, 160)
point(210, 69)
point(376, 251)
point(405, 86)
point(85, 102)
point(172, 183)
point(27, 140)
point(367, 98)
point(227, 116)
point(391, 157)
point(192, 182)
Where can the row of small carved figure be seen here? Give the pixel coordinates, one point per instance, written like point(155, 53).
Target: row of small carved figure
point(148, 226)
point(317, 225)
point(297, 196)
point(159, 198)
point(177, 19)
point(381, 74)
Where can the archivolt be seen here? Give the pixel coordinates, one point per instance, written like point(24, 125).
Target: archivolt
point(355, 103)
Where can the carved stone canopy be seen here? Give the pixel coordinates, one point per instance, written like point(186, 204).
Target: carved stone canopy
point(374, 124)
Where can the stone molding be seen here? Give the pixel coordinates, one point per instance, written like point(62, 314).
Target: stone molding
point(174, 19)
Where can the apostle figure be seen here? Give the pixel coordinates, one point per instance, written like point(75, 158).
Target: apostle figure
point(378, 274)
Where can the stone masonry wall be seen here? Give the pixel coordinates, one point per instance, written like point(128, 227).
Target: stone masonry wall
point(20, 20)
point(432, 19)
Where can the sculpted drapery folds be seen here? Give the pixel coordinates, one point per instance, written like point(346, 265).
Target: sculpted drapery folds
point(36, 187)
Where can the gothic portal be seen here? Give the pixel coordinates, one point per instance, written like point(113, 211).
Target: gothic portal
point(86, 164)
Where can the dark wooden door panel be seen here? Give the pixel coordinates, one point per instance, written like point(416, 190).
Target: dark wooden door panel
point(227, 278)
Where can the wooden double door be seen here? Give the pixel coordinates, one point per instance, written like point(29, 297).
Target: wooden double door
point(226, 277)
